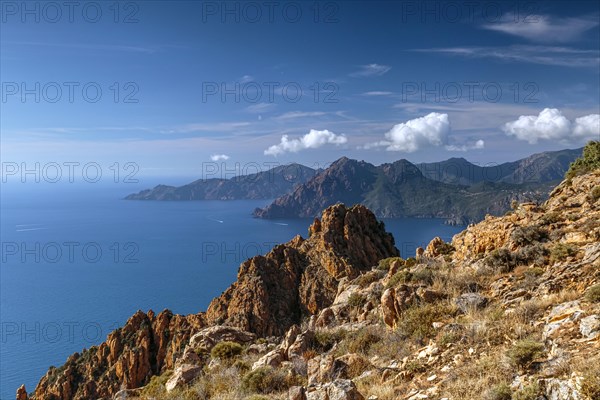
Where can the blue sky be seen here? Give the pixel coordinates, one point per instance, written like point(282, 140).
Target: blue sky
point(186, 82)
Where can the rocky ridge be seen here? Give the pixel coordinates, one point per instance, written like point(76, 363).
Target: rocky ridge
point(510, 309)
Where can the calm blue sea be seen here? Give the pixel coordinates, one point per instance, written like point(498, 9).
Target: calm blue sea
point(77, 261)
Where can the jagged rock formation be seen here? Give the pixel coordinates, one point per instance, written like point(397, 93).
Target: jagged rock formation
point(300, 278)
point(272, 293)
point(147, 345)
point(261, 185)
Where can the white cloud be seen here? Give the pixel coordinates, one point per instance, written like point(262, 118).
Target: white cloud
point(551, 124)
point(544, 55)
point(377, 93)
point(429, 131)
point(371, 70)
point(543, 28)
point(479, 144)
point(312, 140)
point(587, 127)
point(219, 157)
point(300, 114)
point(246, 79)
point(260, 108)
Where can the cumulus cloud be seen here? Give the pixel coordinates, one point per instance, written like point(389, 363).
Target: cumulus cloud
point(219, 157)
point(371, 70)
point(312, 140)
point(551, 124)
point(429, 131)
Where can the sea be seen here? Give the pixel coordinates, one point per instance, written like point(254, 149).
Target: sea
point(78, 260)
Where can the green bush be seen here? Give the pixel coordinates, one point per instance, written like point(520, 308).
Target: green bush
point(499, 392)
point(416, 367)
point(534, 272)
point(595, 194)
point(590, 161)
point(561, 251)
point(264, 380)
point(410, 262)
point(550, 218)
point(385, 264)
point(501, 260)
point(526, 235)
point(528, 392)
point(324, 340)
point(524, 352)
point(403, 276)
point(417, 322)
point(226, 350)
point(593, 294)
point(360, 341)
point(156, 386)
point(424, 275)
point(356, 300)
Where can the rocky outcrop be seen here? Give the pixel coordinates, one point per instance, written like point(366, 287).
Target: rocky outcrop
point(301, 277)
point(147, 345)
point(22, 393)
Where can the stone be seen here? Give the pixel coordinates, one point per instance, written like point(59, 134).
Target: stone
point(207, 338)
point(274, 358)
point(471, 301)
point(343, 389)
point(590, 326)
point(296, 393)
point(562, 315)
point(560, 389)
point(183, 375)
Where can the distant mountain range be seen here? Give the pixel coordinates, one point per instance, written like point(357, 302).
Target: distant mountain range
point(455, 189)
point(262, 185)
point(541, 167)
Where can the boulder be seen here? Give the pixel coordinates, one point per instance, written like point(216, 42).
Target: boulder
point(471, 301)
point(207, 338)
point(183, 375)
point(590, 326)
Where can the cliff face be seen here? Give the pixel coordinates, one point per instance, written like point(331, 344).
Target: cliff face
point(272, 292)
point(130, 356)
point(300, 278)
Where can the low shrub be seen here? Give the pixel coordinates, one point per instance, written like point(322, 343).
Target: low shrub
point(385, 264)
point(588, 162)
point(526, 235)
point(524, 352)
point(528, 392)
point(593, 294)
point(264, 380)
point(356, 300)
point(561, 251)
point(417, 322)
point(499, 392)
point(226, 350)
